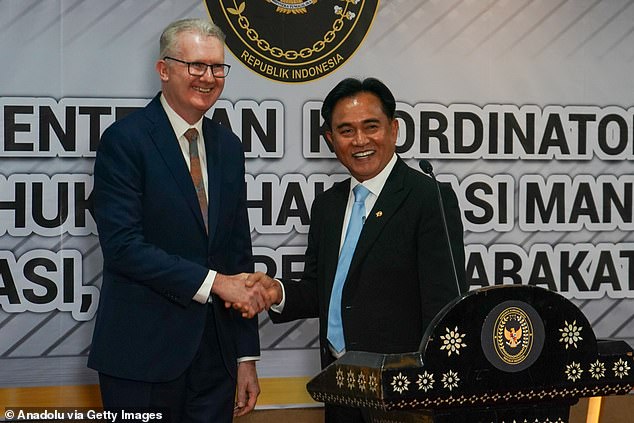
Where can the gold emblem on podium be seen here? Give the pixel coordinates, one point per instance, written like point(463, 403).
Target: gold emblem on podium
point(513, 337)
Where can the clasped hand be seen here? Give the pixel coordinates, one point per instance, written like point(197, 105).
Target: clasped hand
point(249, 293)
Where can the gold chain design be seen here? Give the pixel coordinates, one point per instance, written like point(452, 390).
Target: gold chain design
point(277, 52)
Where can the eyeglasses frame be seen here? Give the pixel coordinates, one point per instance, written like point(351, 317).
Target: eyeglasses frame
point(223, 66)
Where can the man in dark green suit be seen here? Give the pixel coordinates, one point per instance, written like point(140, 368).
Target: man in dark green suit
point(401, 274)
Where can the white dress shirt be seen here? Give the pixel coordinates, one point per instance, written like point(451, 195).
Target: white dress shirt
point(180, 126)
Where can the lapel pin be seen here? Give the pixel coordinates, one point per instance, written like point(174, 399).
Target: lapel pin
point(379, 213)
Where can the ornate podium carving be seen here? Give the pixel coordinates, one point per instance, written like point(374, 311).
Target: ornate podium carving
point(499, 354)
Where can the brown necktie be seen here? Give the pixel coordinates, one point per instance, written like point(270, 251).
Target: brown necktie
point(196, 171)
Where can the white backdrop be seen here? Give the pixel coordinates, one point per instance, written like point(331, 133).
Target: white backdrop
point(524, 105)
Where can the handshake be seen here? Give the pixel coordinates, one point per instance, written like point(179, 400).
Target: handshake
point(249, 293)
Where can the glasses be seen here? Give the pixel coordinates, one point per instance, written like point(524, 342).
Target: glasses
point(219, 70)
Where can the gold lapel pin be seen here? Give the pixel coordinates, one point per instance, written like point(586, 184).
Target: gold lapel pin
point(379, 213)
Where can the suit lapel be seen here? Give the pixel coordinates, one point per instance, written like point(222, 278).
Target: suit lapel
point(392, 195)
point(213, 154)
point(163, 137)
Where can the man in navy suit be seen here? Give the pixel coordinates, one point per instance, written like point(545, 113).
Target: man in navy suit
point(400, 274)
point(170, 207)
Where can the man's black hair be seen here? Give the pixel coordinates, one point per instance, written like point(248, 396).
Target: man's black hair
point(351, 86)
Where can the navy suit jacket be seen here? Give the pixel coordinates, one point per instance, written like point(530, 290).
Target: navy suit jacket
point(156, 250)
point(400, 276)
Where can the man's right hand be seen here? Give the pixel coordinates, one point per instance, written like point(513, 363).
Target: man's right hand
point(271, 286)
point(261, 282)
point(234, 289)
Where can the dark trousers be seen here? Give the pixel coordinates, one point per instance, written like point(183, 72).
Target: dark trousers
point(203, 393)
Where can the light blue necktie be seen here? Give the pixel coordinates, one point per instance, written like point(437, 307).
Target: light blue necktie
point(357, 217)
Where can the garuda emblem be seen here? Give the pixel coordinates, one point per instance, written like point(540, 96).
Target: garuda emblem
point(513, 337)
point(292, 6)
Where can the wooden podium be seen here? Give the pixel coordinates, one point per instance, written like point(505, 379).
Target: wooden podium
point(505, 354)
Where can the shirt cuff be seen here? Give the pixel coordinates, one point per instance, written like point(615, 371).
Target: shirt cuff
point(279, 308)
point(254, 358)
point(203, 295)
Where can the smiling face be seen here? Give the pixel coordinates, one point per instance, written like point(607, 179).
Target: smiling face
point(363, 137)
point(191, 96)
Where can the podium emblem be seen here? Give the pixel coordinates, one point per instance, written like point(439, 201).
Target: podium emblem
point(512, 336)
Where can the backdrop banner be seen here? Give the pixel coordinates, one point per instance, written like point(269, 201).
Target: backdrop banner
point(524, 106)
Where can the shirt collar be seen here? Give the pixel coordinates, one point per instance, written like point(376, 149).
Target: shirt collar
point(375, 184)
point(179, 124)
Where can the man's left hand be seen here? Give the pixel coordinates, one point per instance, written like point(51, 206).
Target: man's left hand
point(248, 389)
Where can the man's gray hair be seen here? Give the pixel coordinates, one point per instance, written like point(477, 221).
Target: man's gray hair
point(169, 37)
